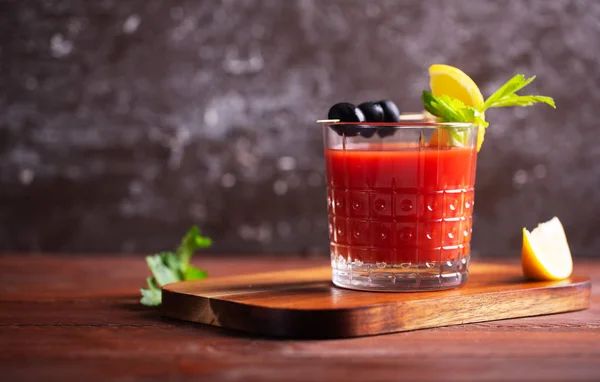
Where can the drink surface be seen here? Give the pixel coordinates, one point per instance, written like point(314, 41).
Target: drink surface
point(400, 204)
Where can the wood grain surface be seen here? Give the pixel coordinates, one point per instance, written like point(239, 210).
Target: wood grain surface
point(304, 303)
point(79, 318)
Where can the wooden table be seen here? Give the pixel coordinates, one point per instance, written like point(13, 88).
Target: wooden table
point(79, 318)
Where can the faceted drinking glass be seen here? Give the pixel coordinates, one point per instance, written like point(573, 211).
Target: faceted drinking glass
point(400, 198)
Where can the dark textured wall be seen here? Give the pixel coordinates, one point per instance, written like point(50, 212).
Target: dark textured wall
point(123, 122)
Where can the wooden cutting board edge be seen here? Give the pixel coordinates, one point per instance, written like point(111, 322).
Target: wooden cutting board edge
point(379, 318)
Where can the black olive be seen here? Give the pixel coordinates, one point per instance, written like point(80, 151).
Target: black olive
point(391, 113)
point(346, 112)
point(373, 111)
point(366, 130)
point(345, 130)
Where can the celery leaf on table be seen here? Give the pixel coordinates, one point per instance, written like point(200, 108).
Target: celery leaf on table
point(170, 267)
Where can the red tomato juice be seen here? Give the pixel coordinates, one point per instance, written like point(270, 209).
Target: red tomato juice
point(402, 206)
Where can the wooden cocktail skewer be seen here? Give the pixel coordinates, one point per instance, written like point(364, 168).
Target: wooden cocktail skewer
point(403, 117)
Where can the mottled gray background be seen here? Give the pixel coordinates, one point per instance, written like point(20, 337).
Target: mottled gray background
point(123, 122)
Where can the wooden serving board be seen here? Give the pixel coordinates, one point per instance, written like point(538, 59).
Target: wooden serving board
point(304, 303)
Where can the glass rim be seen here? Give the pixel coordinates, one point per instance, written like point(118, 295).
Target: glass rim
point(401, 124)
point(407, 120)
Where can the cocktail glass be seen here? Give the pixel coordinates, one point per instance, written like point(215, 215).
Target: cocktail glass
point(400, 204)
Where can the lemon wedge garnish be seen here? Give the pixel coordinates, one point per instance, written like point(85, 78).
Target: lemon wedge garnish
point(453, 82)
point(545, 254)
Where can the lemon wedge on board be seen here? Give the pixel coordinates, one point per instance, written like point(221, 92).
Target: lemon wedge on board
point(545, 254)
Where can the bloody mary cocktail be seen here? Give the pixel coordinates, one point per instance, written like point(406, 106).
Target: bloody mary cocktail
point(400, 209)
point(400, 194)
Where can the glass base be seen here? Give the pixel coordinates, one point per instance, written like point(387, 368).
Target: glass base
point(405, 277)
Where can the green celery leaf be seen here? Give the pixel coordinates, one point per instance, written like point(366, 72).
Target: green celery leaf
point(170, 267)
point(439, 107)
point(511, 86)
point(193, 273)
point(151, 296)
point(505, 96)
point(159, 267)
point(527, 100)
point(457, 138)
point(203, 242)
point(170, 259)
point(188, 246)
point(192, 241)
point(449, 109)
point(479, 120)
